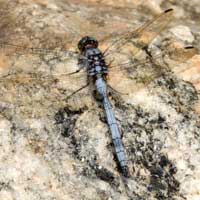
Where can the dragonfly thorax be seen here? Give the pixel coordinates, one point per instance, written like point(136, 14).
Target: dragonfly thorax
point(96, 63)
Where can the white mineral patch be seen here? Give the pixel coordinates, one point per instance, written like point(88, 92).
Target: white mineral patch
point(5, 138)
point(6, 195)
point(183, 33)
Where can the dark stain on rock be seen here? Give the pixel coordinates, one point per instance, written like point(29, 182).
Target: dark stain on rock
point(167, 82)
point(5, 186)
point(66, 118)
point(8, 22)
point(177, 93)
point(104, 174)
point(144, 152)
point(162, 180)
point(93, 170)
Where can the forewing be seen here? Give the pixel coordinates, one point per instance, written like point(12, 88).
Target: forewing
point(28, 82)
point(10, 49)
point(140, 38)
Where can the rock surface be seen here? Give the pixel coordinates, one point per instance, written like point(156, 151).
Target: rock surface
point(58, 149)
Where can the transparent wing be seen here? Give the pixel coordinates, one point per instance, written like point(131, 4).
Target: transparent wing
point(26, 80)
point(39, 94)
point(133, 75)
point(9, 49)
point(141, 37)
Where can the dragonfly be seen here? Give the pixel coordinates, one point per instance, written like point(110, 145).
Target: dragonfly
point(92, 68)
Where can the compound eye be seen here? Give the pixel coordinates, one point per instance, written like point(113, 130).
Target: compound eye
point(85, 41)
point(94, 43)
point(81, 44)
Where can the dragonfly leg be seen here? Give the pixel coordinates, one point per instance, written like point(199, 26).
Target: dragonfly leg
point(77, 90)
point(106, 50)
point(110, 63)
point(77, 71)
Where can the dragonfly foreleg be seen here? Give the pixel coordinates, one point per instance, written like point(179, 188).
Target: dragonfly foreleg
point(110, 63)
point(77, 90)
point(77, 71)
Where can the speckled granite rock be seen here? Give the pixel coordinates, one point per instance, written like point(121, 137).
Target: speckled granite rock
point(54, 149)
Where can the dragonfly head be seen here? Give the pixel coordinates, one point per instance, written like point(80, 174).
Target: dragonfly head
point(87, 42)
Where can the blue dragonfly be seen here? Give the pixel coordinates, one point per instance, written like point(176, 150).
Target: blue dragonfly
point(120, 76)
